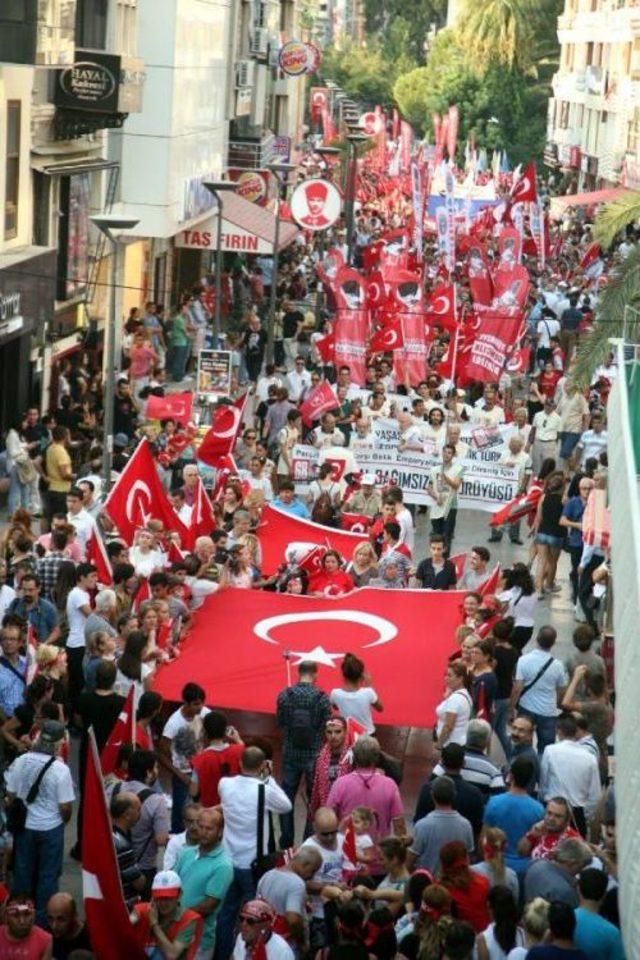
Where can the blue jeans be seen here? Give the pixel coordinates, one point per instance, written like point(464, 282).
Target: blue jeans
point(19, 493)
point(500, 714)
point(292, 774)
point(177, 358)
point(243, 888)
point(179, 796)
point(38, 865)
point(545, 728)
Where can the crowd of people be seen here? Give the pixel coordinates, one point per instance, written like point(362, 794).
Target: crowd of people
point(511, 849)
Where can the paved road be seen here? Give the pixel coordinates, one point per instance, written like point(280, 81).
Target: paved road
point(413, 744)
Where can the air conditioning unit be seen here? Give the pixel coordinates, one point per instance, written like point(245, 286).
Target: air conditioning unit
point(259, 42)
point(244, 73)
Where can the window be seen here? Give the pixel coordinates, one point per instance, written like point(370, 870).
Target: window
point(564, 114)
point(91, 24)
point(604, 116)
point(12, 170)
point(633, 133)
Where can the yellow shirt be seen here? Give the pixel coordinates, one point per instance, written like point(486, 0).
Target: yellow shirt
point(58, 463)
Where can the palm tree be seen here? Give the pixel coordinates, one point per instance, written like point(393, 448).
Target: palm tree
point(622, 291)
point(496, 30)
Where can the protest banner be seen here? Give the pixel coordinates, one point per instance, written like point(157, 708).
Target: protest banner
point(214, 374)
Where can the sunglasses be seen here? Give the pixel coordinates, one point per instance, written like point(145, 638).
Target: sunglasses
point(251, 921)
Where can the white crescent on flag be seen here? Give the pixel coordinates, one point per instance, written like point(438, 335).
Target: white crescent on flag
point(441, 305)
point(140, 491)
point(91, 889)
point(386, 630)
point(235, 416)
point(390, 337)
point(523, 187)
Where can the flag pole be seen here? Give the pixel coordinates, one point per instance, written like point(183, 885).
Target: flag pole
point(287, 657)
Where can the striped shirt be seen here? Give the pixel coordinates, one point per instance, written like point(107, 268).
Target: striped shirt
point(478, 770)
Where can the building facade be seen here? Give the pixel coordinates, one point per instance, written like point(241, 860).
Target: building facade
point(594, 114)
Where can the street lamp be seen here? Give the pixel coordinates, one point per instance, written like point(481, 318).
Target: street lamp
point(324, 152)
point(217, 188)
point(353, 139)
point(108, 223)
point(281, 172)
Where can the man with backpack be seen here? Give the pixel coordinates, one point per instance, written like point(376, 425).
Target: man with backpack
point(302, 713)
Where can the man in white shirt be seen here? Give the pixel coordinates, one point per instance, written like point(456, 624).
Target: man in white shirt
point(487, 411)
point(190, 836)
point(403, 517)
point(256, 921)
point(328, 434)
point(516, 458)
point(570, 770)
point(545, 431)
point(39, 848)
point(240, 797)
point(539, 685)
point(182, 729)
point(78, 609)
point(327, 840)
point(80, 519)
point(592, 442)
point(298, 381)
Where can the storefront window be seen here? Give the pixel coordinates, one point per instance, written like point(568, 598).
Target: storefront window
point(14, 113)
point(73, 240)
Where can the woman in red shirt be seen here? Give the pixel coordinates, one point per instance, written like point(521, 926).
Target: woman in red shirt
point(331, 580)
point(468, 889)
point(548, 380)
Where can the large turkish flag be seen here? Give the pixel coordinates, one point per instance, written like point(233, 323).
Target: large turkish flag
point(236, 648)
point(278, 529)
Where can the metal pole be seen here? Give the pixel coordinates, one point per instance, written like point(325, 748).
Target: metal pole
point(274, 284)
point(351, 196)
point(109, 384)
point(218, 310)
point(319, 287)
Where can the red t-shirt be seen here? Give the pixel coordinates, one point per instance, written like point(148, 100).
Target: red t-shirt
point(548, 382)
point(331, 584)
point(143, 740)
point(471, 902)
point(31, 948)
point(212, 764)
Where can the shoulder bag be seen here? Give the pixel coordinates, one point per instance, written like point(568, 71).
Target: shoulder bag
point(543, 669)
point(17, 811)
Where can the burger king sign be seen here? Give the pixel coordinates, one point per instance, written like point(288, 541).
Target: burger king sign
point(294, 58)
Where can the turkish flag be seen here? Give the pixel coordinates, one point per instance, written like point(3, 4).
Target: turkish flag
point(459, 561)
point(356, 522)
point(376, 290)
point(326, 347)
point(138, 496)
point(525, 189)
point(278, 529)
point(97, 555)
point(404, 636)
point(220, 438)
point(174, 406)
point(441, 307)
point(519, 360)
point(388, 337)
point(518, 508)
point(490, 585)
point(311, 563)
point(410, 364)
point(349, 846)
point(318, 401)
point(110, 930)
point(123, 732)
point(203, 519)
point(142, 594)
point(494, 338)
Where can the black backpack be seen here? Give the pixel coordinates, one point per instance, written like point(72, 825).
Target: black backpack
point(301, 733)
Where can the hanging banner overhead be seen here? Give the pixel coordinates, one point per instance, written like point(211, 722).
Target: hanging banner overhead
point(371, 123)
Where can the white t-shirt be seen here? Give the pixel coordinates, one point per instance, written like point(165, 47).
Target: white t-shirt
point(405, 520)
point(458, 702)
point(75, 617)
point(356, 704)
point(145, 563)
point(547, 328)
point(521, 607)
point(56, 787)
point(330, 871)
point(85, 526)
point(276, 946)
point(178, 722)
point(175, 846)
point(7, 595)
point(542, 697)
point(592, 444)
point(239, 799)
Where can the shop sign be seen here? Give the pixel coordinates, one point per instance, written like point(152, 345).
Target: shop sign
point(252, 185)
point(91, 83)
point(294, 58)
point(214, 373)
point(10, 316)
point(233, 239)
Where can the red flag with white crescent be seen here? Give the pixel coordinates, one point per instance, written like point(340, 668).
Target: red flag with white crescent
point(138, 496)
point(122, 732)
point(326, 347)
point(441, 307)
point(203, 519)
point(97, 555)
point(349, 845)
point(525, 188)
point(311, 562)
point(490, 585)
point(389, 336)
point(174, 406)
point(523, 506)
point(220, 438)
point(142, 594)
point(110, 930)
point(356, 522)
point(459, 560)
point(249, 631)
point(318, 401)
point(278, 529)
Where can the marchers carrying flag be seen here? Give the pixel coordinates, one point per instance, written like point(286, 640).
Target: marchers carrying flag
point(494, 338)
point(490, 585)
point(318, 401)
point(139, 496)
point(220, 438)
point(523, 506)
point(97, 555)
point(326, 347)
point(112, 935)
point(389, 336)
point(278, 529)
point(174, 406)
point(244, 634)
point(123, 732)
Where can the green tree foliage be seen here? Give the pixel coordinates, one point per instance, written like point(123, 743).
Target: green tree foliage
point(513, 33)
point(413, 17)
point(367, 73)
point(500, 94)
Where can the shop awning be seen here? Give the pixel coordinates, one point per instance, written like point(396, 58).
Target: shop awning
point(591, 199)
point(246, 228)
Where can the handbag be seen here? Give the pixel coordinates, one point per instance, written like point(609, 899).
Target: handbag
point(26, 471)
point(17, 810)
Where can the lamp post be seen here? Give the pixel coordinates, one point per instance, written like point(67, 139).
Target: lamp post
point(217, 188)
point(107, 224)
point(353, 139)
point(281, 172)
point(324, 152)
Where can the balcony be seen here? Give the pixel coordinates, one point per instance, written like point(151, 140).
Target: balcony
point(98, 92)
